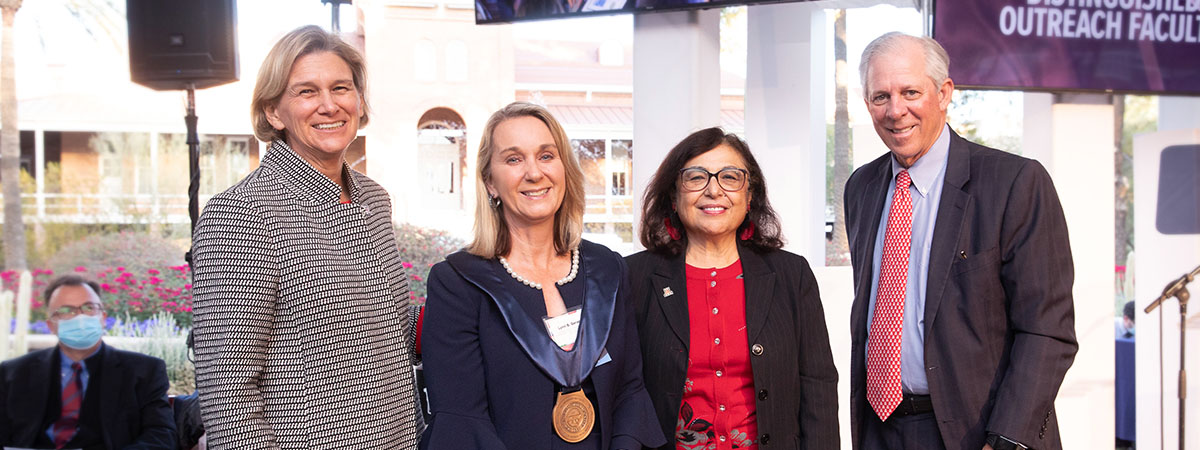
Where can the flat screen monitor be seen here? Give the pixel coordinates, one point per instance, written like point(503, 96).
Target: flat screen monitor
point(664, 5)
point(1128, 46)
point(503, 11)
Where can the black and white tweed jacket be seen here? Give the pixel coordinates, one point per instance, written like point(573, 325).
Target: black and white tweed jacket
point(302, 326)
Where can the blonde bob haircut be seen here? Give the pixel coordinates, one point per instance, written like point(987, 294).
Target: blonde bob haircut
point(277, 67)
point(492, 236)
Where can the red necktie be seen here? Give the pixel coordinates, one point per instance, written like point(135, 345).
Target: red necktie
point(72, 400)
point(883, 341)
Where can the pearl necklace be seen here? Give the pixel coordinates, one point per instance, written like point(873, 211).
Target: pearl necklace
point(538, 286)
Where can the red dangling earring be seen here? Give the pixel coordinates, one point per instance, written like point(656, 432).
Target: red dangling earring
point(671, 231)
point(748, 232)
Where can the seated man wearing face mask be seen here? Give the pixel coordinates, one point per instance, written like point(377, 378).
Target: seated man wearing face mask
point(83, 394)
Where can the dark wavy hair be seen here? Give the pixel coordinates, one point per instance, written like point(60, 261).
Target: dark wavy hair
point(660, 196)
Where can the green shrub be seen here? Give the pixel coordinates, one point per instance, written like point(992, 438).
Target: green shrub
point(135, 252)
point(420, 249)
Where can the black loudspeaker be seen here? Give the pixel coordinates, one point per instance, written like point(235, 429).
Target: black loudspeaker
point(174, 43)
point(1179, 190)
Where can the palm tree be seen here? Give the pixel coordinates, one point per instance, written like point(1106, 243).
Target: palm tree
point(839, 250)
point(10, 150)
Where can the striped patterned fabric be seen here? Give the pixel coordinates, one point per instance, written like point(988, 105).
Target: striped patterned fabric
point(302, 326)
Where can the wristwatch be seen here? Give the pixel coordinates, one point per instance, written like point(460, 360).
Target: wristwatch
point(998, 442)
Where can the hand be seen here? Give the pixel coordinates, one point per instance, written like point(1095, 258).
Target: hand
point(987, 447)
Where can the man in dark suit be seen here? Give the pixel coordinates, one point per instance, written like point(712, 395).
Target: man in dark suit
point(963, 320)
point(83, 393)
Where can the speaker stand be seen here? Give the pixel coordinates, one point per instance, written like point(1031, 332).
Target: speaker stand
point(193, 142)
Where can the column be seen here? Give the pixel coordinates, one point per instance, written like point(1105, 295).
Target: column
point(39, 164)
point(1161, 259)
point(1072, 136)
point(785, 117)
point(155, 201)
point(676, 86)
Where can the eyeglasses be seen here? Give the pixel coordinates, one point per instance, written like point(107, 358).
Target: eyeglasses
point(69, 312)
point(694, 179)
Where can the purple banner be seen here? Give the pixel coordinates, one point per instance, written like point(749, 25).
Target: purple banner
point(1105, 45)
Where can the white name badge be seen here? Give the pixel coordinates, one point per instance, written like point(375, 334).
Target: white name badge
point(564, 328)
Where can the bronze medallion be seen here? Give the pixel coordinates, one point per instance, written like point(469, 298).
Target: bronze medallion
point(573, 416)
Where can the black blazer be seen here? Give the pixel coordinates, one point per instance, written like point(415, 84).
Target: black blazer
point(999, 315)
point(134, 413)
point(486, 392)
point(794, 375)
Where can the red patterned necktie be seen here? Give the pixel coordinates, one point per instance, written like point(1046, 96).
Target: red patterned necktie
point(883, 342)
point(72, 400)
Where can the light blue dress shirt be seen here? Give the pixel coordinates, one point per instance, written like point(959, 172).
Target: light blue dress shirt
point(928, 175)
point(64, 366)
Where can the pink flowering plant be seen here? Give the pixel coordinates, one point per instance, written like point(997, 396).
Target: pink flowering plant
point(10, 280)
point(138, 296)
point(420, 249)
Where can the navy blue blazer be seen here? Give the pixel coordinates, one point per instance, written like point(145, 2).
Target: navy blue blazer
point(485, 389)
point(999, 314)
point(134, 413)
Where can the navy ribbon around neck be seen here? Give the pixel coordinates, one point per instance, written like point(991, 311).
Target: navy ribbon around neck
point(602, 276)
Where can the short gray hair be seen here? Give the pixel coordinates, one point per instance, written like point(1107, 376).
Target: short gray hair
point(937, 62)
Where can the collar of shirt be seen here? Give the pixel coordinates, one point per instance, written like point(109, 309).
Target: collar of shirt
point(925, 171)
point(64, 365)
point(305, 180)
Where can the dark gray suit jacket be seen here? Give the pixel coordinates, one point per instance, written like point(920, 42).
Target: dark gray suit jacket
point(134, 413)
point(795, 381)
point(999, 314)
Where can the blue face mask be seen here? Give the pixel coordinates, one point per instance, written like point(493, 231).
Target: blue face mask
point(81, 332)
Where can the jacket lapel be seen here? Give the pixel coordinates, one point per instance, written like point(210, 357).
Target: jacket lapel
point(568, 368)
point(870, 210)
point(949, 224)
point(37, 391)
point(670, 290)
point(760, 290)
point(110, 392)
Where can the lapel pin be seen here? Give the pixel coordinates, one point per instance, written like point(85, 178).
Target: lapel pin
point(667, 292)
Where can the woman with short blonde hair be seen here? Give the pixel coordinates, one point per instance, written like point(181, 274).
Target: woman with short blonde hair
point(302, 322)
point(273, 75)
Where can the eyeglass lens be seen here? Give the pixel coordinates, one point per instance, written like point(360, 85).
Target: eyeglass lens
point(66, 312)
point(731, 179)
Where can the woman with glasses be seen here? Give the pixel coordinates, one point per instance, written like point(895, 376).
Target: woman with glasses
point(733, 333)
point(528, 340)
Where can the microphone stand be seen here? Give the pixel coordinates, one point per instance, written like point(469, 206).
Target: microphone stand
point(1178, 289)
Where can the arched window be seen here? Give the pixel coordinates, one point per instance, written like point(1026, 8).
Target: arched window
point(441, 158)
